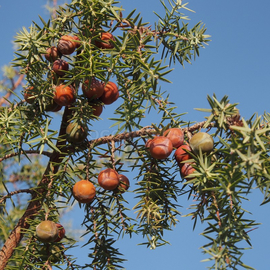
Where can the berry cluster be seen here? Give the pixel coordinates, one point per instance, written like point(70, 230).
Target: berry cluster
point(98, 93)
point(84, 191)
point(160, 147)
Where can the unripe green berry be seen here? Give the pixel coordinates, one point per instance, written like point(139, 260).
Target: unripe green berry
point(203, 141)
point(76, 133)
point(160, 147)
point(47, 231)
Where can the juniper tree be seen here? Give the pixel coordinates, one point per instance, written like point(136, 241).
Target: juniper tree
point(89, 55)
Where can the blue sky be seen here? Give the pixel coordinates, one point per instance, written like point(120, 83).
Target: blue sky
point(236, 63)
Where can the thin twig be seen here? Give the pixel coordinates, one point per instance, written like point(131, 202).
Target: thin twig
point(45, 153)
point(139, 133)
point(14, 193)
point(113, 154)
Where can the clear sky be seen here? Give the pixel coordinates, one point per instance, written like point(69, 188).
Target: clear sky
point(236, 63)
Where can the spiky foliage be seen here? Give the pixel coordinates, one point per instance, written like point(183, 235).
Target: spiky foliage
point(41, 186)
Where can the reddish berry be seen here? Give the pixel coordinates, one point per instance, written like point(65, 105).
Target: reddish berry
point(84, 191)
point(186, 170)
point(61, 232)
point(66, 45)
point(93, 90)
point(29, 95)
point(160, 147)
point(181, 155)
point(108, 179)
point(52, 54)
point(110, 94)
point(60, 66)
point(124, 183)
point(64, 95)
point(176, 135)
point(105, 41)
